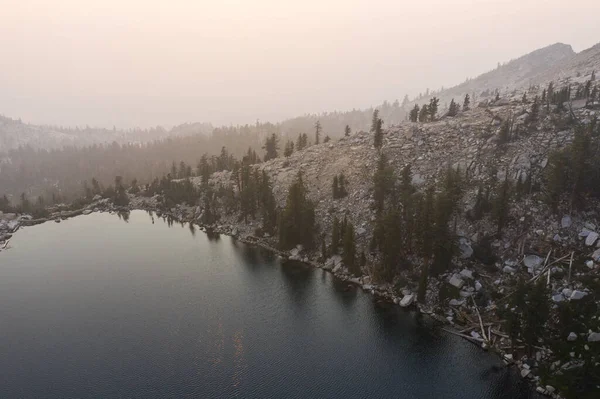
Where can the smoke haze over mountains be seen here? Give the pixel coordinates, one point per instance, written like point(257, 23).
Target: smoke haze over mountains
point(136, 63)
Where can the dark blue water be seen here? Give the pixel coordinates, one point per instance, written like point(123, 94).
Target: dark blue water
point(96, 307)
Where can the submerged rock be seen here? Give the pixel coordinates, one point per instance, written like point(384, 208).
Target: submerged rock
point(407, 300)
point(572, 337)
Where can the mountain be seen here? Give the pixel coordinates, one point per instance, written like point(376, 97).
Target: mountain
point(521, 72)
point(14, 134)
point(541, 65)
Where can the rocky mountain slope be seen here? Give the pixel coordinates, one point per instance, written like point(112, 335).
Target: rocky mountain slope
point(559, 248)
point(554, 63)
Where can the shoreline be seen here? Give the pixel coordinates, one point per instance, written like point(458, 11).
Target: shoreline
point(377, 291)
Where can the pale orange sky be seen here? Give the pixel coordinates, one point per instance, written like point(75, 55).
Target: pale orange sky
point(142, 63)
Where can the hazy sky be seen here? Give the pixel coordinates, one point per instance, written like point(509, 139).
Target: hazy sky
point(143, 62)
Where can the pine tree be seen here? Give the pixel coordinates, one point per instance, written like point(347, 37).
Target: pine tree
point(268, 204)
point(534, 113)
point(343, 192)
point(555, 176)
point(425, 235)
point(467, 102)
point(248, 194)
point(335, 188)
point(335, 235)
point(347, 131)
point(271, 147)
point(593, 77)
point(386, 238)
point(297, 221)
point(378, 132)
point(501, 204)
point(453, 109)
point(318, 130)
point(424, 114)
point(544, 96)
point(579, 151)
point(433, 107)
point(504, 133)
point(536, 313)
point(524, 99)
point(120, 197)
point(383, 181)
point(327, 139)
point(289, 148)
point(349, 254)
point(302, 142)
point(414, 114)
point(374, 121)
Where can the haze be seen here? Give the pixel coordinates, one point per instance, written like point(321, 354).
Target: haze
point(139, 63)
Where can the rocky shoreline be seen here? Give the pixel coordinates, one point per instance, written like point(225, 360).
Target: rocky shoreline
point(332, 265)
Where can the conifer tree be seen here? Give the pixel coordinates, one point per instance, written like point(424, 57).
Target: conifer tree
point(414, 114)
point(268, 204)
point(524, 99)
point(555, 176)
point(327, 139)
point(297, 221)
point(289, 148)
point(405, 101)
point(347, 131)
point(501, 204)
point(504, 133)
point(453, 108)
point(433, 107)
point(383, 181)
point(386, 238)
point(336, 187)
point(425, 235)
point(467, 102)
point(335, 235)
point(271, 147)
point(318, 130)
point(580, 149)
point(544, 96)
point(534, 113)
point(349, 255)
point(424, 114)
point(378, 137)
point(120, 198)
point(374, 120)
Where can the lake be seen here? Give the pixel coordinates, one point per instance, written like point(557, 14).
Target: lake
point(102, 306)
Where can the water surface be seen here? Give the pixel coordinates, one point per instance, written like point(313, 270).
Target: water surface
point(99, 307)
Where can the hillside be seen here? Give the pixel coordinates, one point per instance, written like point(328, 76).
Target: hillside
point(557, 63)
point(14, 134)
point(486, 266)
point(540, 66)
point(522, 179)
